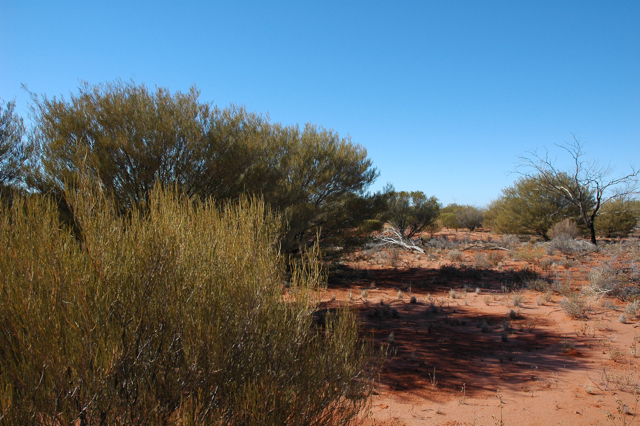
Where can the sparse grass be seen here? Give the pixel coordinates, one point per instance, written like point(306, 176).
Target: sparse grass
point(510, 242)
point(616, 355)
point(613, 282)
point(455, 255)
point(537, 285)
point(631, 310)
point(528, 253)
point(482, 260)
point(518, 300)
point(496, 257)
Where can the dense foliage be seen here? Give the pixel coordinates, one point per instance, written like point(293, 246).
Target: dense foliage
point(527, 207)
point(129, 138)
point(617, 218)
point(411, 212)
point(12, 148)
point(174, 314)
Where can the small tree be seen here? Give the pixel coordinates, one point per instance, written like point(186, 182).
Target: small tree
point(449, 221)
point(412, 212)
point(469, 217)
point(408, 213)
point(589, 184)
point(12, 152)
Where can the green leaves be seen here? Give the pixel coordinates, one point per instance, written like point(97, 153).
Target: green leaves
point(127, 138)
point(528, 207)
point(412, 212)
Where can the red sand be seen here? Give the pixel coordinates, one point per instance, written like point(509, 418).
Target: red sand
point(460, 366)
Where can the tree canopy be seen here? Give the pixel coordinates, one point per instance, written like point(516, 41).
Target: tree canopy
point(129, 138)
point(12, 149)
point(586, 185)
point(411, 212)
point(527, 207)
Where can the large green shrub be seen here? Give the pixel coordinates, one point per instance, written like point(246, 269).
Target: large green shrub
point(130, 138)
point(176, 313)
point(617, 218)
point(527, 207)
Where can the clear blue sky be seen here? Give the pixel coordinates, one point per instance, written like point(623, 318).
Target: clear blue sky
point(444, 95)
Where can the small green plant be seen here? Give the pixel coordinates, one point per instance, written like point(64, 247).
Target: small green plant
point(478, 290)
point(400, 295)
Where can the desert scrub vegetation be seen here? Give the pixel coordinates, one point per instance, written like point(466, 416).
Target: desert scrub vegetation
point(528, 253)
point(173, 314)
point(131, 137)
point(613, 282)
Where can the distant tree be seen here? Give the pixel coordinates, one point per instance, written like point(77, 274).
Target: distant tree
point(527, 207)
point(617, 218)
point(449, 220)
point(412, 212)
point(469, 217)
point(128, 138)
point(12, 148)
point(591, 184)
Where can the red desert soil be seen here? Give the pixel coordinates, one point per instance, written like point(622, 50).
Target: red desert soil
point(463, 354)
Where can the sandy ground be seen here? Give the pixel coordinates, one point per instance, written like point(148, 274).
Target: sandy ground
point(473, 348)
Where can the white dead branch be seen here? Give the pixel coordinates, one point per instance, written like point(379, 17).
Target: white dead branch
point(392, 237)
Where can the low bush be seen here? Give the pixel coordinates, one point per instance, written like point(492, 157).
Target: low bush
point(175, 314)
point(566, 245)
point(537, 285)
point(528, 253)
point(612, 282)
point(566, 229)
point(574, 306)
